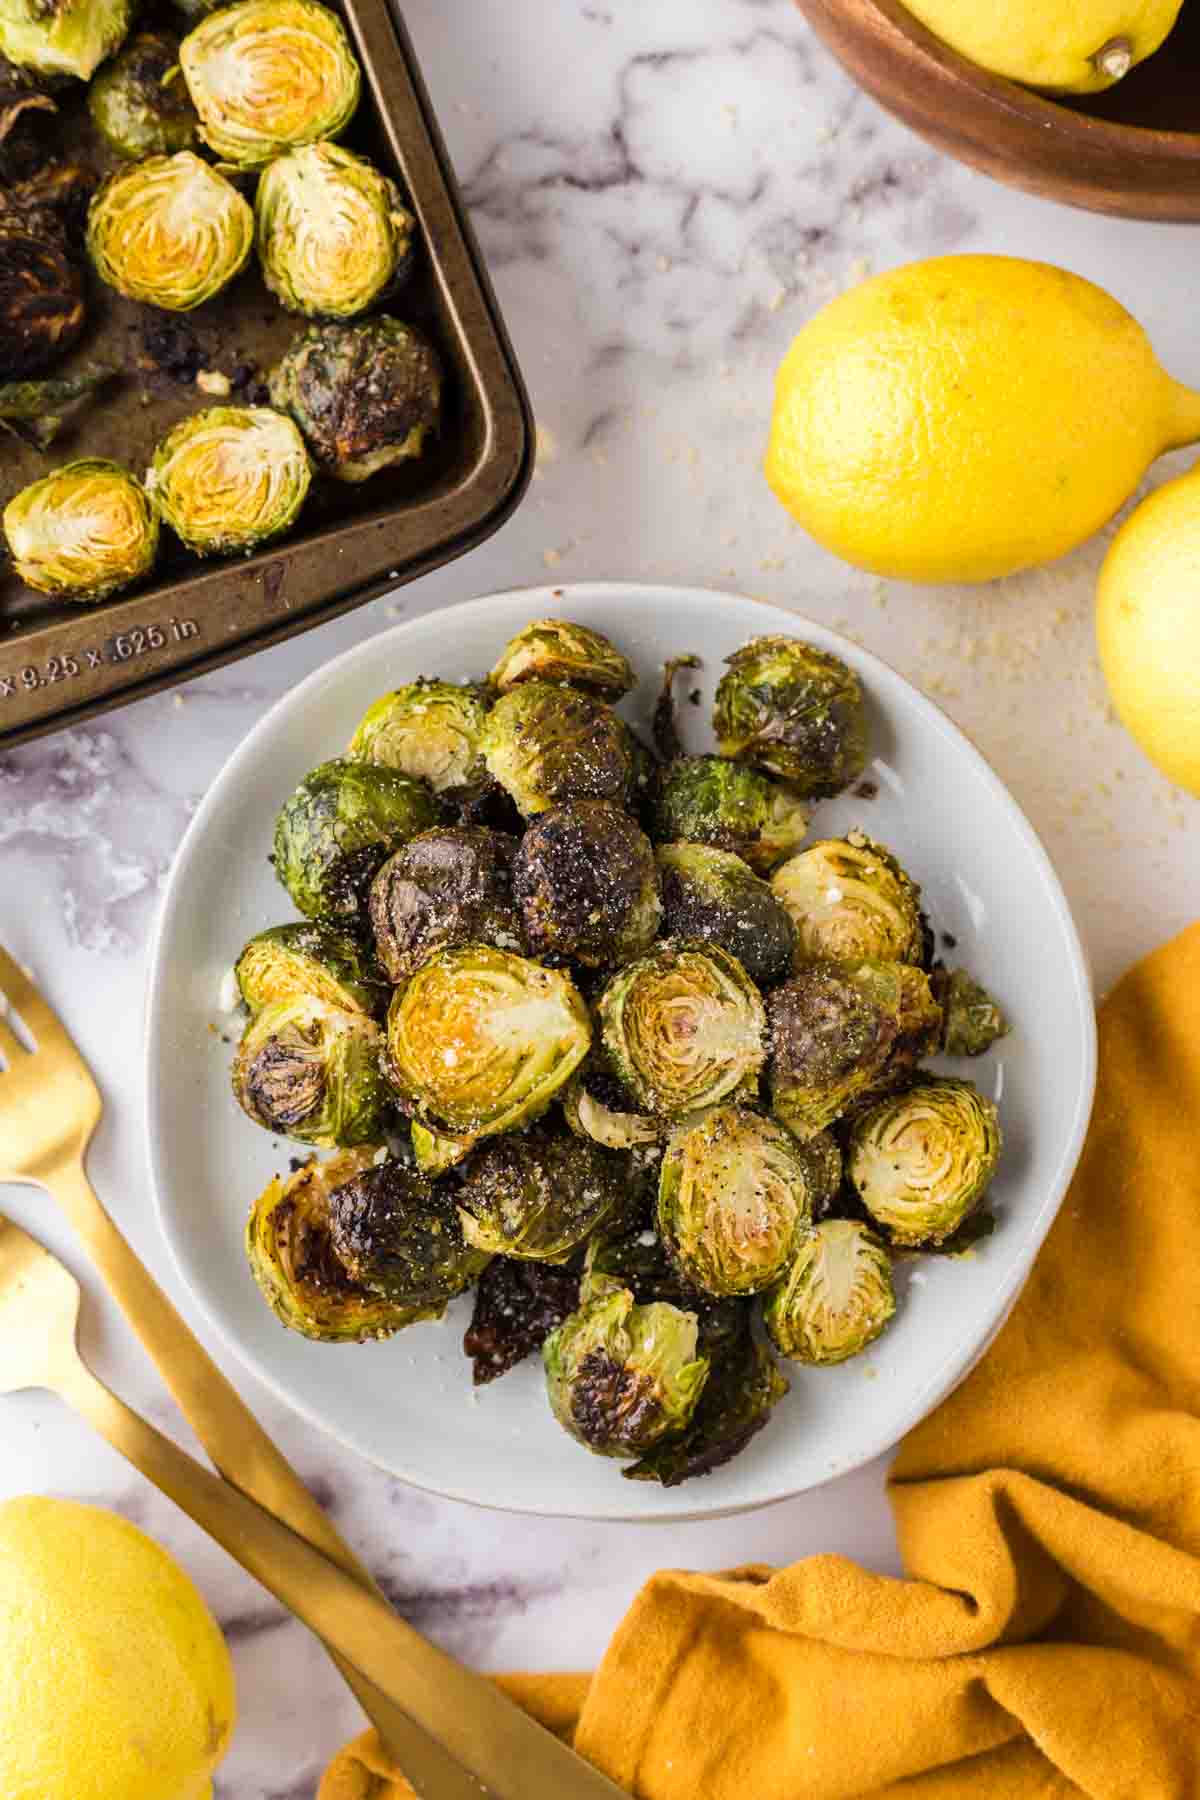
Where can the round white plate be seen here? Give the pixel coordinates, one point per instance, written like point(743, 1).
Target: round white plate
point(409, 1404)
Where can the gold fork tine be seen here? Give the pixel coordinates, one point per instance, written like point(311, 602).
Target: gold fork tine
point(24, 998)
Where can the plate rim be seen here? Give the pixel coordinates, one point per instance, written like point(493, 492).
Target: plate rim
point(951, 1371)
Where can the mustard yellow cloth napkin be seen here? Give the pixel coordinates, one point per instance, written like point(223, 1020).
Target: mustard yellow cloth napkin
point(1047, 1639)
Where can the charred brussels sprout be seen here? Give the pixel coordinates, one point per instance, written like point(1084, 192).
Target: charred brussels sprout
point(365, 396)
point(603, 1117)
point(481, 1040)
point(169, 231)
point(733, 1192)
point(623, 1377)
point(557, 650)
point(41, 293)
point(683, 1027)
point(446, 887)
point(714, 895)
point(836, 1297)
point(83, 532)
point(973, 1020)
point(851, 901)
point(545, 744)
point(230, 478)
point(586, 882)
point(139, 103)
point(922, 1160)
point(517, 1306)
point(307, 958)
point(795, 711)
point(742, 1390)
point(334, 235)
point(538, 1194)
point(430, 730)
point(706, 800)
point(292, 1259)
point(312, 1072)
point(62, 37)
point(267, 75)
point(395, 1233)
point(339, 826)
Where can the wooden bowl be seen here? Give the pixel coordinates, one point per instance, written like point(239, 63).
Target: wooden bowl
point(1133, 151)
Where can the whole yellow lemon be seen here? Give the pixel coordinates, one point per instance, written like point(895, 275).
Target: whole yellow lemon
point(1071, 46)
point(115, 1683)
point(963, 418)
point(1148, 628)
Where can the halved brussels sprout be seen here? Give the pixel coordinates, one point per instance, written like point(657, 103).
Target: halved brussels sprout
point(365, 396)
point(557, 650)
point(589, 1114)
point(267, 75)
point(337, 829)
point(62, 37)
point(545, 743)
point(292, 1258)
point(836, 1296)
point(310, 1071)
point(449, 886)
point(42, 310)
point(795, 711)
point(851, 901)
point(481, 1040)
point(706, 800)
point(429, 729)
point(622, 1377)
point(334, 234)
point(537, 1194)
point(742, 1390)
point(83, 532)
point(585, 879)
point(733, 1193)
point(170, 231)
point(714, 895)
point(973, 1020)
point(308, 958)
point(230, 478)
point(922, 1160)
point(436, 1151)
point(683, 1027)
point(139, 103)
point(397, 1234)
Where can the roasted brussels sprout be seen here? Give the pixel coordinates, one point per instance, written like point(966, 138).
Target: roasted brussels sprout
point(922, 1160)
point(836, 1296)
point(310, 1071)
point(292, 1258)
point(851, 901)
point(139, 103)
point(795, 711)
point(545, 743)
point(841, 1031)
point(706, 800)
point(395, 1233)
point(446, 887)
point(62, 37)
point(557, 650)
point(623, 1377)
point(682, 1027)
point(334, 235)
point(429, 729)
point(230, 478)
point(308, 958)
point(83, 532)
point(268, 75)
point(733, 1193)
point(481, 1040)
point(517, 1306)
point(585, 879)
point(41, 292)
point(36, 411)
point(743, 1388)
point(365, 396)
point(538, 1194)
point(336, 830)
point(713, 895)
point(972, 1020)
point(591, 1113)
point(436, 1151)
point(170, 231)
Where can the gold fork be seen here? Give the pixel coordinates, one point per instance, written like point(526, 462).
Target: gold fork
point(49, 1109)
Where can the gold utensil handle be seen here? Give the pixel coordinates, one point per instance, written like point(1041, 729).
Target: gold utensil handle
point(490, 1736)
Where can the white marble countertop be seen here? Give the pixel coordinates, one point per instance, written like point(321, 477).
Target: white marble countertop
point(665, 193)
